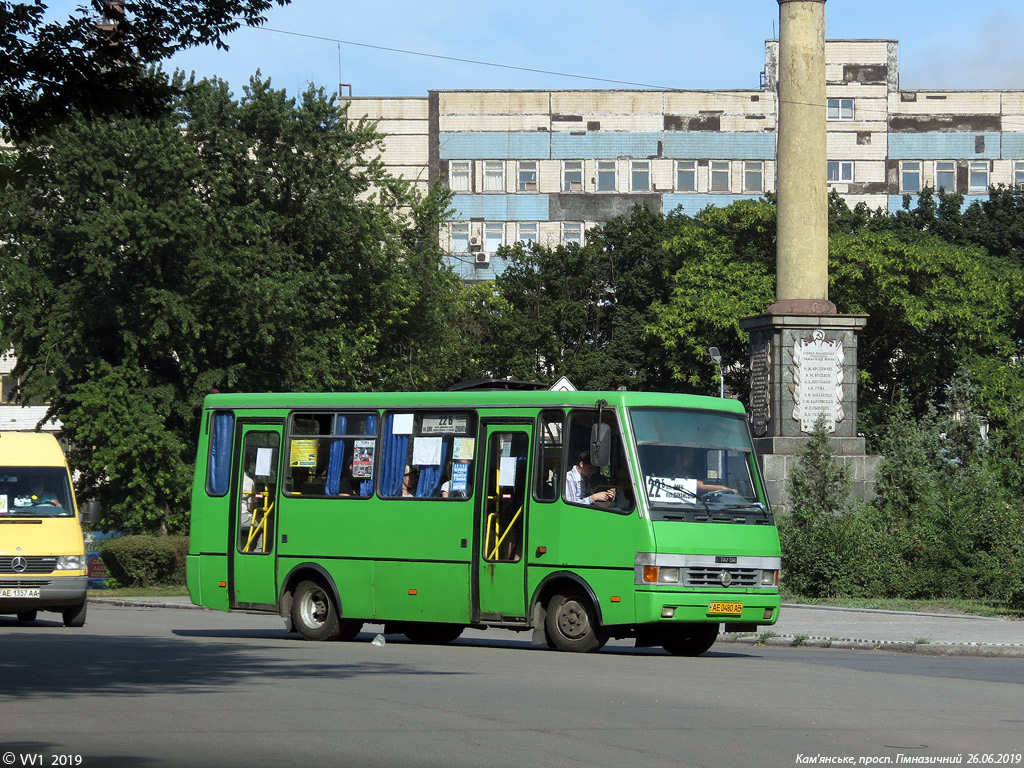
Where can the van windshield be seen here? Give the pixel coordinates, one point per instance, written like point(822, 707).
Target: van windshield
point(696, 466)
point(35, 492)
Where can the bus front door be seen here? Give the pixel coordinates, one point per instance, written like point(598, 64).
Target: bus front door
point(502, 510)
point(253, 572)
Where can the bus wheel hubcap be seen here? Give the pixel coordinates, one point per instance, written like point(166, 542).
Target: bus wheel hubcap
point(573, 620)
point(314, 610)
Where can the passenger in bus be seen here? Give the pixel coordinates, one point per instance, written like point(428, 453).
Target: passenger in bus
point(409, 480)
point(579, 486)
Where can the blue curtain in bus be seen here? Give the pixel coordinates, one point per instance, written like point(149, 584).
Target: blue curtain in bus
point(220, 452)
point(430, 477)
point(335, 462)
point(396, 452)
point(366, 486)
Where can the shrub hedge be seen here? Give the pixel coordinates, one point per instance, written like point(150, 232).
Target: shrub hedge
point(146, 561)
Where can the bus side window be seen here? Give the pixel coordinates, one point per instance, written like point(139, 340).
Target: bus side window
point(548, 478)
point(615, 474)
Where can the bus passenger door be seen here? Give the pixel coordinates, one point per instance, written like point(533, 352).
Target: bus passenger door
point(253, 573)
point(502, 510)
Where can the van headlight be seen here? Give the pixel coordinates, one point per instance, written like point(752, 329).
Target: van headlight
point(71, 563)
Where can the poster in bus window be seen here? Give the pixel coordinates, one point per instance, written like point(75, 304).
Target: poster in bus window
point(303, 453)
point(463, 448)
point(460, 476)
point(362, 458)
point(426, 451)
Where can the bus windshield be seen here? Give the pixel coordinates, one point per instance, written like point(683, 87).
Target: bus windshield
point(696, 466)
point(35, 492)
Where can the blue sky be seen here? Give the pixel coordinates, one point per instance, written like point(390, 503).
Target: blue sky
point(666, 43)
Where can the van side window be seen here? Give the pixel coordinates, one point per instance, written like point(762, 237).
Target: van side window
point(548, 479)
point(218, 476)
point(611, 476)
point(331, 455)
point(428, 454)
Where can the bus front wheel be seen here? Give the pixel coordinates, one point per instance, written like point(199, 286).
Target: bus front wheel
point(314, 614)
point(690, 640)
point(571, 624)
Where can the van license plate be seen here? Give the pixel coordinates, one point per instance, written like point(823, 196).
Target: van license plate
point(730, 609)
point(15, 592)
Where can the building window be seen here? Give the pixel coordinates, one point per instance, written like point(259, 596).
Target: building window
point(494, 176)
point(572, 176)
point(606, 176)
point(910, 176)
point(840, 171)
point(527, 175)
point(720, 176)
point(494, 237)
point(572, 233)
point(945, 176)
point(1018, 173)
point(459, 175)
point(840, 109)
point(686, 175)
point(753, 176)
point(460, 237)
point(977, 179)
point(528, 232)
point(640, 176)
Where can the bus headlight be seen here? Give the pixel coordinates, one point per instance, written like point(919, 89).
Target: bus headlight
point(71, 563)
point(769, 578)
point(668, 575)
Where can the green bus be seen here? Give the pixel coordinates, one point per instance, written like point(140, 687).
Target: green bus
point(579, 516)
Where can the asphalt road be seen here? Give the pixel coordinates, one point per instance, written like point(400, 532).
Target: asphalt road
point(162, 687)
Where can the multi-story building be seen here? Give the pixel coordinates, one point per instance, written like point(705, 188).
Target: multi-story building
point(545, 166)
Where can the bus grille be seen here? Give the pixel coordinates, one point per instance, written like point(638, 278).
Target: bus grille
point(14, 583)
point(712, 577)
point(30, 564)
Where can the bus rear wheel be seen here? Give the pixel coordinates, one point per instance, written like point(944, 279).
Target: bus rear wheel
point(690, 640)
point(314, 613)
point(571, 624)
point(432, 634)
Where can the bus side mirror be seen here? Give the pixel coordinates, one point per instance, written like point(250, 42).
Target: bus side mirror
point(600, 445)
point(91, 514)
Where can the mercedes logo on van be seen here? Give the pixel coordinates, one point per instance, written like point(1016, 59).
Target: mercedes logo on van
point(19, 564)
point(726, 578)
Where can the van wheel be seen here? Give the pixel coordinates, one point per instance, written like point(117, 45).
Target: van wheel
point(74, 616)
point(313, 612)
point(27, 617)
point(691, 639)
point(571, 624)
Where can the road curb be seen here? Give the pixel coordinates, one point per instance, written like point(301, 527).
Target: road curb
point(852, 644)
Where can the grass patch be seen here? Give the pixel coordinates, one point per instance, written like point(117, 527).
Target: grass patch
point(164, 590)
point(966, 607)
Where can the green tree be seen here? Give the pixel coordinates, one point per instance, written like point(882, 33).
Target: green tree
point(260, 248)
point(933, 308)
point(722, 268)
point(96, 61)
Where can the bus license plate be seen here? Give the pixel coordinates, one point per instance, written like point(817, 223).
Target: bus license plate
point(16, 592)
point(730, 609)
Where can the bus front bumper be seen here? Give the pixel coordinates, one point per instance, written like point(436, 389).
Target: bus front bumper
point(742, 607)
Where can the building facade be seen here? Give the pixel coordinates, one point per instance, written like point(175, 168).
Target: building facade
point(545, 166)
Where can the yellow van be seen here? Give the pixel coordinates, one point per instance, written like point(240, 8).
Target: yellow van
point(42, 553)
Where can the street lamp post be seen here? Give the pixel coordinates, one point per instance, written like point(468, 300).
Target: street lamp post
point(716, 356)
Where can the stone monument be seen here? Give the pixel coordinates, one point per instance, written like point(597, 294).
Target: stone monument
point(803, 354)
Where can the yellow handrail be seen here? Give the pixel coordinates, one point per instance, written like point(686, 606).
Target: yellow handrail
point(493, 553)
point(262, 515)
